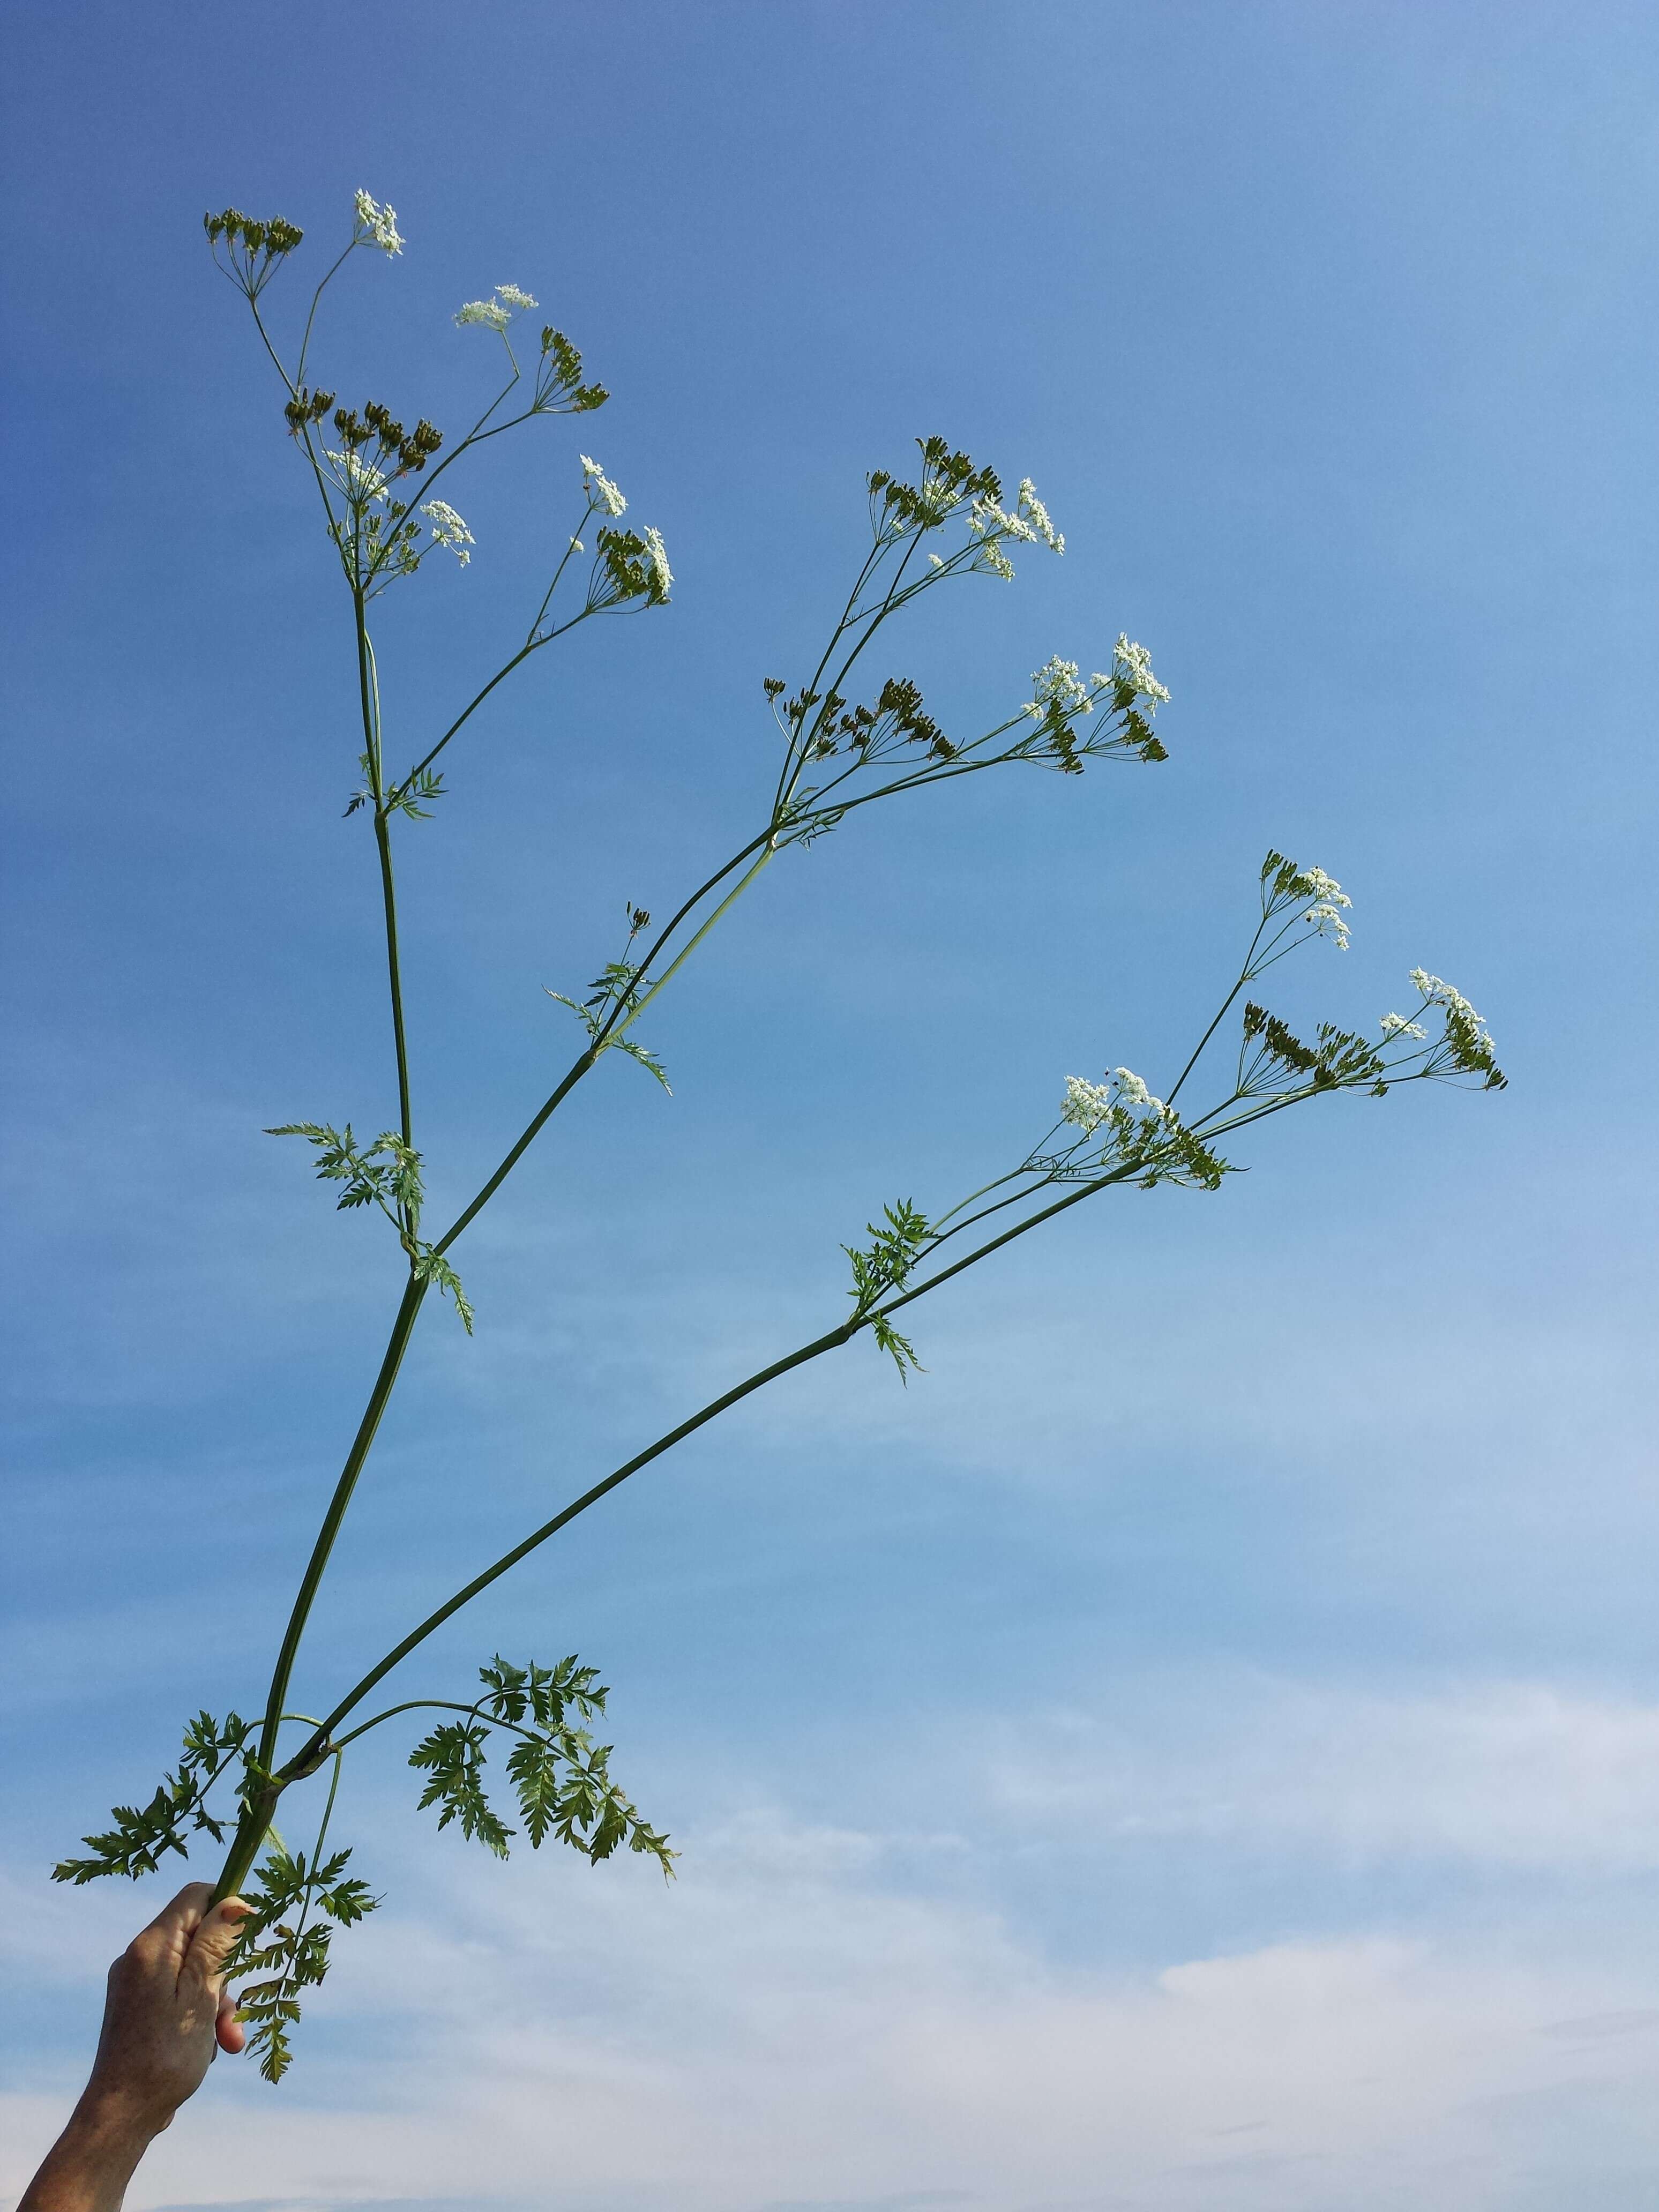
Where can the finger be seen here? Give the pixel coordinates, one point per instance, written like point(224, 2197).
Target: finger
point(214, 1941)
point(232, 2035)
point(169, 1936)
point(183, 1914)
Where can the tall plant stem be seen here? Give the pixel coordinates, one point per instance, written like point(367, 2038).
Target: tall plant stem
point(315, 1746)
point(318, 1746)
point(669, 973)
point(389, 896)
point(368, 695)
point(251, 1830)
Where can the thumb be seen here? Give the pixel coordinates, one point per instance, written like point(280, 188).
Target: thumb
point(213, 1943)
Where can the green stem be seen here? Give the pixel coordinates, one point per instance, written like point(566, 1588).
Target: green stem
point(680, 959)
point(528, 1137)
point(401, 1328)
point(246, 1844)
point(389, 896)
point(433, 1705)
point(317, 1745)
point(256, 1819)
point(368, 691)
point(587, 1060)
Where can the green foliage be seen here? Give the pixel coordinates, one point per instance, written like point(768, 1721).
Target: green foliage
point(426, 784)
point(561, 1778)
point(613, 995)
point(285, 1947)
point(387, 1174)
point(423, 784)
point(429, 1266)
point(453, 1755)
point(142, 1835)
point(882, 1267)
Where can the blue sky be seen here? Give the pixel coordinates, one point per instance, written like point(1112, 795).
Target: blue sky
point(1195, 1747)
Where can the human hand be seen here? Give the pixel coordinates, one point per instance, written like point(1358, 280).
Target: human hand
point(165, 2015)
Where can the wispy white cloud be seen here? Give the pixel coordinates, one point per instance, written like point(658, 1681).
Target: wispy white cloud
point(795, 2026)
point(1517, 1775)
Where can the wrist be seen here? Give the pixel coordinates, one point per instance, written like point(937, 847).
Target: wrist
point(113, 2121)
point(87, 2168)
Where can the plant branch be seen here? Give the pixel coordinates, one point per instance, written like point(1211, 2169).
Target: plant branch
point(830, 1342)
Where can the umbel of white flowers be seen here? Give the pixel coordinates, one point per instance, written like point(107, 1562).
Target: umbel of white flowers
point(448, 529)
point(603, 494)
point(1087, 1105)
point(1061, 691)
point(496, 314)
point(377, 225)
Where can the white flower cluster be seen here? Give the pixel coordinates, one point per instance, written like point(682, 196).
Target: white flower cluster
point(1086, 1105)
point(360, 480)
point(1314, 883)
point(1031, 510)
point(448, 529)
point(1057, 684)
point(377, 225)
point(1327, 921)
point(1131, 1091)
point(600, 489)
point(1328, 899)
point(1029, 524)
point(1134, 662)
point(1437, 993)
point(494, 315)
point(655, 554)
point(1398, 1025)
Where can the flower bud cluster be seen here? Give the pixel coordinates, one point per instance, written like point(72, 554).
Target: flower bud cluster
point(271, 239)
point(410, 449)
point(252, 251)
point(559, 386)
point(1127, 1132)
point(1063, 697)
point(948, 481)
point(1285, 885)
point(307, 407)
point(1468, 1040)
point(635, 565)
